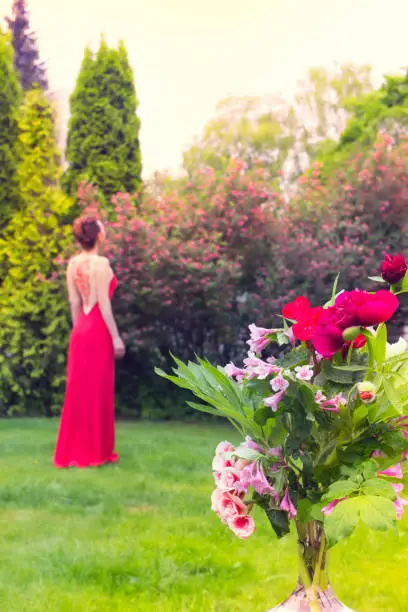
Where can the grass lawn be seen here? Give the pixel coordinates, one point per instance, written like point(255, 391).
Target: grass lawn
point(141, 535)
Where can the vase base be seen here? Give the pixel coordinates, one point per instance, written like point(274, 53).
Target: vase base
point(298, 602)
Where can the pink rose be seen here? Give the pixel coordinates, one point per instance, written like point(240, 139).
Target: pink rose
point(226, 505)
point(228, 480)
point(243, 526)
point(224, 447)
point(220, 464)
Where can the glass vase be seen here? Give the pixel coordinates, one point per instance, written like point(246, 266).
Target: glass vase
point(313, 592)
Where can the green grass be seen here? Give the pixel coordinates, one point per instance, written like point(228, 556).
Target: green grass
point(141, 535)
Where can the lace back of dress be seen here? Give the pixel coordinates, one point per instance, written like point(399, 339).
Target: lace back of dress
point(84, 277)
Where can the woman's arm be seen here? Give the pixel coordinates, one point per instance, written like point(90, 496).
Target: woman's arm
point(74, 298)
point(104, 277)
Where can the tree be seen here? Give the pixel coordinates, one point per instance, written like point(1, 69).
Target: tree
point(33, 313)
point(250, 129)
point(10, 98)
point(103, 138)
point(286, 139)
point(31, 69)
point(323, 105)
point(384, 110)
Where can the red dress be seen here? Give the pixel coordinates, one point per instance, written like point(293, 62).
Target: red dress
point(87, 430)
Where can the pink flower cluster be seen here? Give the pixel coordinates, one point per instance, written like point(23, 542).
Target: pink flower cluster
point(227, 502)
point(234, 477)
point(330, 405)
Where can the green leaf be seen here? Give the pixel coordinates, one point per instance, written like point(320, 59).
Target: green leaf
point(243, 452)
point(294, 358)
point(339, 489)
point(378, 486)
point(360, 414)
point(342, 375)
point(279, 480)
point(262, 415)
point(308, 511)
point(393, 396)
point(380, 344)
point(377, 279)
point(404, 286)
point(342, 521)
point(377, 512)
point(278, 519)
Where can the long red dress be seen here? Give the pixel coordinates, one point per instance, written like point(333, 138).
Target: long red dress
point(87, 429)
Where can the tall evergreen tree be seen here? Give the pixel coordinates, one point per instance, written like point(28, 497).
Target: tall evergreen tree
point(103, 137)
point(10, 99)
point(33, 316)
point(27, 61)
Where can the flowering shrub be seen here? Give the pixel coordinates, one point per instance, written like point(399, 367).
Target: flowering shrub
point(350, 218)
point(324, 428)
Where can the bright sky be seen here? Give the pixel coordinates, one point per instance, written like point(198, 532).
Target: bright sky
point(189, 54)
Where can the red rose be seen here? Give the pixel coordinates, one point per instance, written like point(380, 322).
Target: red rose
point(393, 268)
point(363, 308)
point(377, 308)
point(351, 309)
point(306, 318)
point(328, 337)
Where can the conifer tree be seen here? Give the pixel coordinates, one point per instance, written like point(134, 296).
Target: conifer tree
point(10, 99)
point(31, 69)
point(103, 138)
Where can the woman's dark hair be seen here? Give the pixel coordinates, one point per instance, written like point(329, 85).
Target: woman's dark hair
point(86, 230)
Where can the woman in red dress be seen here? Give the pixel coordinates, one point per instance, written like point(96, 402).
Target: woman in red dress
point(87, 429)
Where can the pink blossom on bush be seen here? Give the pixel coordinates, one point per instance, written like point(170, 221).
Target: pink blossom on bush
point(305, 372)
point(287, 505)
point(400, 502)
point(279, 383)
point(395, 471)
point(274, 400)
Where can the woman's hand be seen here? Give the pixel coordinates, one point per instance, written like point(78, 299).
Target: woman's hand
point(119, 348)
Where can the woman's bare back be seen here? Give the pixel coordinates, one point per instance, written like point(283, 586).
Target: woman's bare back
point(89, 275)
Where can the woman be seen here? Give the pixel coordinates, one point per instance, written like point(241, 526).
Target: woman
point(87, 430)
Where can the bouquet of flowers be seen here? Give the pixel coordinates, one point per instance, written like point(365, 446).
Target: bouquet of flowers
point(324, 428)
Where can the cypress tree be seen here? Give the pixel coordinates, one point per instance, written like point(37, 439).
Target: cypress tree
point(33, 314)
point(10, 99)
point(103, 136)
point(31, 69)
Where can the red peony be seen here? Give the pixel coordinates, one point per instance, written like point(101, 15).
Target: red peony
point(351, 309)
point(393, 268)
point(305, 316)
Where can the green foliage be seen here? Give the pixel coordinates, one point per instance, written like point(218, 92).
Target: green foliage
point(385, 109)
point(103, 138)
point(246, 128)
point(33, 313)
point(10, 97)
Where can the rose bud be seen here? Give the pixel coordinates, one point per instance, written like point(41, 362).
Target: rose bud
point(393, 268)
point(367, 391)
point(351, 333)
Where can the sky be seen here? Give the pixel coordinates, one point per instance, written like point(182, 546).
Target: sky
point(187, 55)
